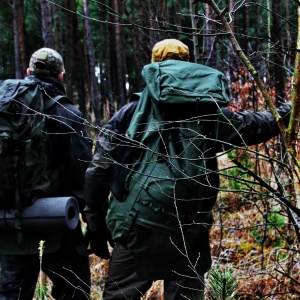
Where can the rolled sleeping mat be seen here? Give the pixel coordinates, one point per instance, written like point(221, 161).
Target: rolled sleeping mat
point(45, 213)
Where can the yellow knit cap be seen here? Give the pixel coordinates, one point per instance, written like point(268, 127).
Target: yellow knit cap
point(170, 49)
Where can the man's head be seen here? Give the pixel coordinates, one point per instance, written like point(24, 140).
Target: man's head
point(47, 62)
point(170, 49)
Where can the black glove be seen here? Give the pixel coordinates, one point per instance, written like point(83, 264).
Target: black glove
point(97, 240)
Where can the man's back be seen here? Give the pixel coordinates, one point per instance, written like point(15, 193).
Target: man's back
point(68, 151)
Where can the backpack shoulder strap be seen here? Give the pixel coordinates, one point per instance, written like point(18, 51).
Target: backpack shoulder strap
point(50, 102)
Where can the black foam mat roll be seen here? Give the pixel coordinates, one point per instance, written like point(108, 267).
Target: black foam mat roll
point(45, 213)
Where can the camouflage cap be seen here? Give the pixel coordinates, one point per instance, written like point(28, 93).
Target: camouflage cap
point(170, 49)
point(46, 61)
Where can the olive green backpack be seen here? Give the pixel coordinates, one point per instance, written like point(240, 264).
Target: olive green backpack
point(165, 211)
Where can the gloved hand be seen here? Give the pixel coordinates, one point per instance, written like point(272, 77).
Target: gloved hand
point(97, 241)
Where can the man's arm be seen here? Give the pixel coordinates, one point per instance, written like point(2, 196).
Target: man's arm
point(248, 128)
point(97, 179)
point(70, 148)
point(96, 190)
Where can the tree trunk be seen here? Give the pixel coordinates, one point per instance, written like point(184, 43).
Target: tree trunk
point(16, 39)
point(119, 55)
point(57, 26)
point(208, 40)
point(288, 32)
point(231, 15)
point(293, 129)
point(278, 69)
point(246, 29)
point(22, 38)
point(94, 92)
point(194, 29)
point(136, 61)
point(47, 24)
point(78, 65)
point(69, 50)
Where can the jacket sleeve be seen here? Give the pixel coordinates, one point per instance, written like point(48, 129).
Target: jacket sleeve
point(97, 185)
point(70, 149)
point(248, 128)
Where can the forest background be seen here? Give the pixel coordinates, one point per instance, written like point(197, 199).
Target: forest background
point(105, 44)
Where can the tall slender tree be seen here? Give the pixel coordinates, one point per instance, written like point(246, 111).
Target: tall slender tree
point(46, 18)
point(94, 91)
point(16, 39)
point(22, 37)
point(119, 54)
point(278, 73)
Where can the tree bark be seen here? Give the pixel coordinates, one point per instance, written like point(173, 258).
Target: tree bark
point(58, 28)
point(231, 15)
point(78, 64)
point(16, 39)
point(209, 39)
point(119, 55)
point(279, 74)
point(94, 91)
point(22, 38)
point(47, 24)
point(194, 30)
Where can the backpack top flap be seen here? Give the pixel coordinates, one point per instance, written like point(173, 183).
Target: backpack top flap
point(175, 81)
point(22, 142)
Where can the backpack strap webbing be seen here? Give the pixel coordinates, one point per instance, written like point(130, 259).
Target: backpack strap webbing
point(49, 102)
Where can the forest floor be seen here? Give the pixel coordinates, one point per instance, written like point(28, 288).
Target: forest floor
point(252, 242)
point(262, 270)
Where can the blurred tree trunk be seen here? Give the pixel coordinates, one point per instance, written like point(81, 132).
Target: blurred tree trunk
point(208, 40)
point(288, 32)
point(164, 16)
point(120, 54)
point(22, 38)
point(117, 55)
point(47, 24)
point(154, 22)
point(245, 29)
point(94, 91)
point(16, 39)
point(196, 53)
point(140, 44)
point(69, 49)
point(69, 53)
point(178, 16)
point(78, 68)
point(231, 19)
point(269, 40)
point(293, 129)
point(278, 72)
point(57, 26)
point(76, 65)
